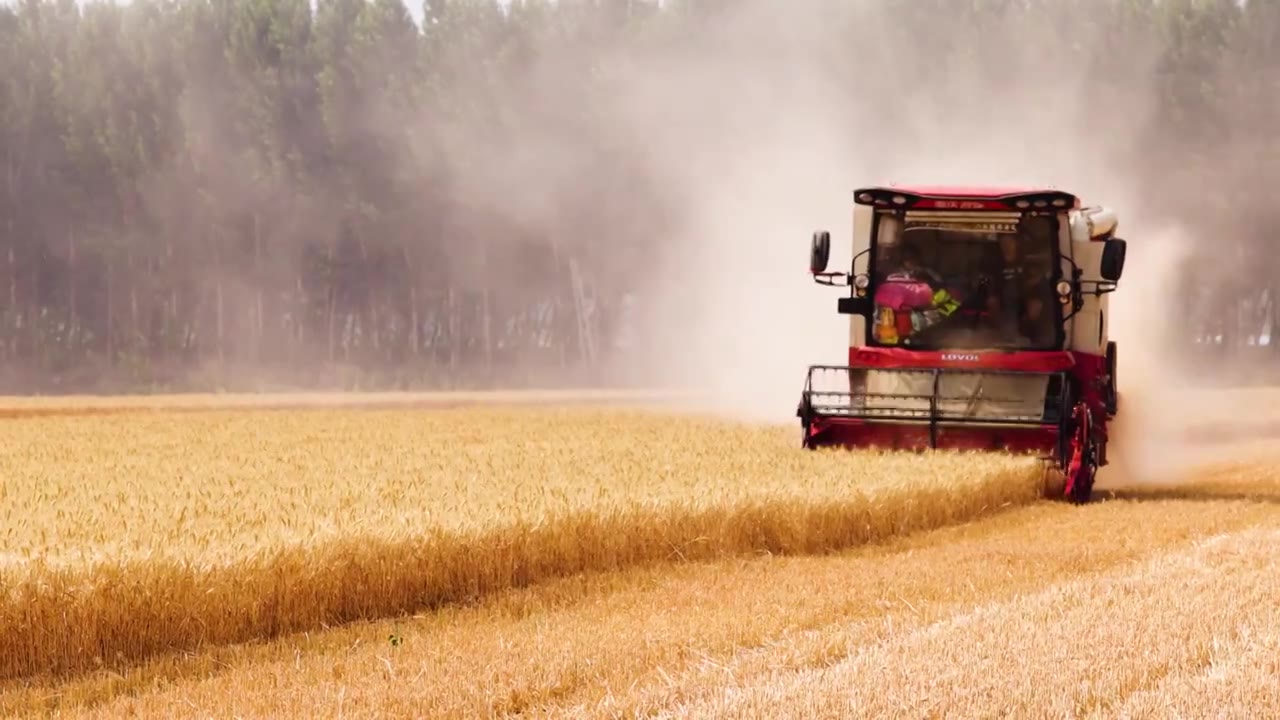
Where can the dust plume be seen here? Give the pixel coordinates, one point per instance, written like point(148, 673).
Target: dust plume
point(1148, 435)
point(771, 119)
point(776, 117)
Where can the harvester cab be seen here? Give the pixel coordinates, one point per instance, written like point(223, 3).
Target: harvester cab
point(978, 321)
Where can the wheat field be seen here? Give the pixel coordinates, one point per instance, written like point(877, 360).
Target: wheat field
point(605, 562)
point(128, 536)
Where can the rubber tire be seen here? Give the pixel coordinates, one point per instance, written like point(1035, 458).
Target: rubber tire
point(1082, 493)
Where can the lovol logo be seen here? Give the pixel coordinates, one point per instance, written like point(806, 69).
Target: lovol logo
point(959, 357)
point(959, 205)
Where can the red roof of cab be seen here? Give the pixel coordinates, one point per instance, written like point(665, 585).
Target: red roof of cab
point(962, 191)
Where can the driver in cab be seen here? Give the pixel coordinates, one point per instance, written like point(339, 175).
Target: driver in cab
point(912, 299)
point(1019, 295)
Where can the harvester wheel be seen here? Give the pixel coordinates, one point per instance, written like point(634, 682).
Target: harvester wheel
point(1083, 464)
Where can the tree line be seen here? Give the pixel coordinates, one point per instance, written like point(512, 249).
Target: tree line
point(199, 193)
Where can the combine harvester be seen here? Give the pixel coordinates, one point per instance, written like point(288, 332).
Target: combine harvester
point(978, 322)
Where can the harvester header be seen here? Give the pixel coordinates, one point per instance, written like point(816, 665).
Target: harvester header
point(978, 320)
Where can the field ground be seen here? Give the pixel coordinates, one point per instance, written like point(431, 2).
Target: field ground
point(17, 407)
point(715, 584)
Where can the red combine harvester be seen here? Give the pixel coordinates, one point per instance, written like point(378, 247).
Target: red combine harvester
point(979, 322)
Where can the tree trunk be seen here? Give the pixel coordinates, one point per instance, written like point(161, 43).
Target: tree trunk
point(333, 300)
point(110, 336)
point(13, 274)
point(332, 312)
point(375, 330)
point(72, 331)
point(220, 310)
point(367, 313)
point(258, 322)
point(300, 333)
point(351, 322)
point(172, 324)
point(11, 224)
point(454, 334)
point(413, 319)
point(133, 301)
point(1273, 305)
point(13, 295)
point(488, 333)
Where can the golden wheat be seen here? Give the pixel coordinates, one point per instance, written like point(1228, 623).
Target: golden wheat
point(678, 638)
point(129, 536)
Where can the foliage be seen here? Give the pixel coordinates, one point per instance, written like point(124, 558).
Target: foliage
point(190, 186)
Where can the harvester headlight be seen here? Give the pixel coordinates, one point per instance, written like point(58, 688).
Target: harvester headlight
point(1024, 204)
point(864, 197)
point(862, 281)
point(899, 200)
point(1064, 290)
point(1041, 203)
point(1059, 202)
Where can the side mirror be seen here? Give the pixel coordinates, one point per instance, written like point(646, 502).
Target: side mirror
point(1113, 259)
point(819, 251)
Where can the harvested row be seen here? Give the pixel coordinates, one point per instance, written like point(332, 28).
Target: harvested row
point(1178, 635)
point(128, 539)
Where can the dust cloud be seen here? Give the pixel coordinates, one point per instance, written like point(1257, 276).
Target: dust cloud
point(768, 123)
point(729, 140)
point(776, 117)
